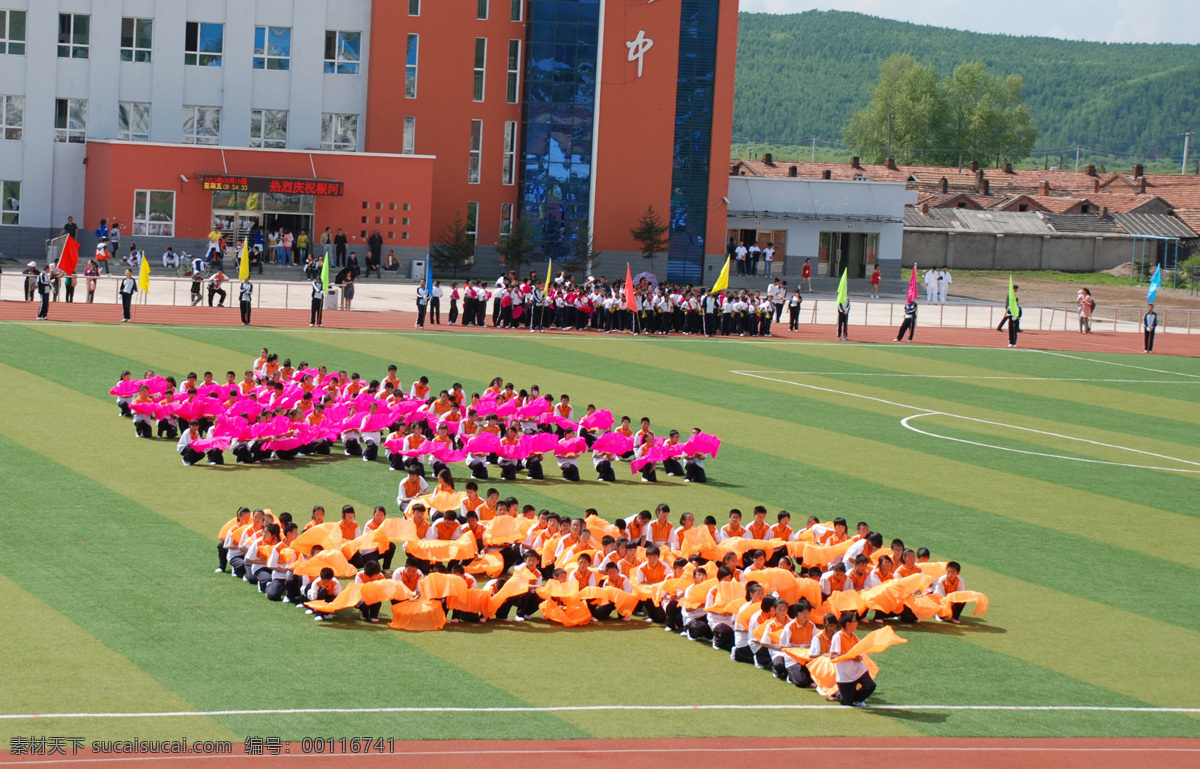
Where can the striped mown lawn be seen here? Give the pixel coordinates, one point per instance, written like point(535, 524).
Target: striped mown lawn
point(1065, 483)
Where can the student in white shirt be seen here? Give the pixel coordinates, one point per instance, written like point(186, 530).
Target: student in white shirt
point(854, 681)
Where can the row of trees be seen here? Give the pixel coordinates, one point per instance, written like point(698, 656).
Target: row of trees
point(454, 251)
point(970, 114)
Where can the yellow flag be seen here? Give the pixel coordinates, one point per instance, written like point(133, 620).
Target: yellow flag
point(723, 280)
point(244, 267)
point(549, 271)
point(144, 277)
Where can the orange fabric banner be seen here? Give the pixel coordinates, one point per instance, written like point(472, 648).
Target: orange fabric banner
point(571, 612)
point(964, 596)
point(326, 535)
point(700, 540)
point(375, 539)
point(418, 616)
point(332, 558)
point(505, 529)
point(923, 606)
point(624, 602)
point(815, 555)
point(491, 564)
point(438, 551)
point(935, 569)
point(228, 527)
point(599, 528)
point(741, 545)
point(873, 643)
point(384, 590)
point(696, 594)
point(350, 596)
point(730, 597)
point(889, 596)
point(437, 586)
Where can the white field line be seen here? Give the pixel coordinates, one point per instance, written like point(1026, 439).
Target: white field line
point(969, 377)
point(585, 708)
point(1113, 363)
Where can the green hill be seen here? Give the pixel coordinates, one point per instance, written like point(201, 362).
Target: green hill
point(804, 75)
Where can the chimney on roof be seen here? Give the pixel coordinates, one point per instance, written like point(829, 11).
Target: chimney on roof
point(1090, 170)
point(1044, 189)
point(1104, 212)
point(924, 209)
point(768, 159)
point(891, 164)
point(979, 177)
point(1138, 171)
point(1141, 188)
point(985, 187)
point(793, 171)
point(943, 185)
point(827, 174)
point(854, 162)
point(974, 166)
point(1095, 186)
point(1008, 168)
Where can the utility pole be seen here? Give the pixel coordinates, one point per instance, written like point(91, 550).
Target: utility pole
point(1186, 135)
point(889, 154)
point(1077, 159)
point(814, 149)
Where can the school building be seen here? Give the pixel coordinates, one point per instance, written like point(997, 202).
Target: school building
point(393, 115)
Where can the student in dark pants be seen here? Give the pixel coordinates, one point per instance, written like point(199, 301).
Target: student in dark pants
point(1005, 318)
point(43, 291)
point(318, 303)
point(843, 320)
point(910, 322)
point(854, 682)
point(1014, 325)
point(245, 293)
point(1149, 324)
point(128, 289)
point(794, 311)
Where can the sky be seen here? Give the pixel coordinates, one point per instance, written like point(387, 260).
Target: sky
point(1109, 21)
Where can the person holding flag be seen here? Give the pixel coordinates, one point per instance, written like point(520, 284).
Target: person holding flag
point(246, 289)
point(910, 309)
point(129, 287)
point(1012, 314)
point(1149, 324)
point(843, 310)
point(423, 294)
point(319, 287)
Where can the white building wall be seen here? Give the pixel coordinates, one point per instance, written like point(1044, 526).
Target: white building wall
point(52, 174)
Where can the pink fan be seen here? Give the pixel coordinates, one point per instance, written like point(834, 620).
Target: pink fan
point(571, 446)
point(207, 444)
point(534, 409)
point(155, 410)
point(229, 425)
point(557, 421)
point(703, 444)
point(613, 443)
point(443, 450)
point(451, 427)
point(450, 456)
point(376, 422)
point(484, 443)
point(125, 389)
point(541, 443)
point(247, 408)
point(506, 409)
point(518, 451)
point(426, 447)
point(602, 419)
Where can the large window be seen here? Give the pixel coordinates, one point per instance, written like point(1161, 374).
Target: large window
point(70, 120)
point(472, 221)
point(154, 213)
point(410, 135)
point(506, 220)
point(509, 173)
point(201, 125)
point(480, 68)
point(481, 9)
point(342, 51)
point(518, 7)
point(339, 132)
point(133, 121)
point(73, 35)
point(203, 44)
point(514, 72)
point(268, 128)
point(136, 38)
point(12, 32)
point(12, 118)
point(476, 151)
point(10, 206)
point(410, 67)
point(272, 47)
point(414, 7)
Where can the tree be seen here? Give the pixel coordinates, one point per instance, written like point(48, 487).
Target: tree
point(909, 93)
point(651, 233)
point(454, 249)
point(516, 246)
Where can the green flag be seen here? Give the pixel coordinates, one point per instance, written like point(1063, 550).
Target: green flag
point(325, 273)
point(1013, 309)
point(842, 297)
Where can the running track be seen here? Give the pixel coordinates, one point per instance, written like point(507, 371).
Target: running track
point(1165, 344)
point(701, 754)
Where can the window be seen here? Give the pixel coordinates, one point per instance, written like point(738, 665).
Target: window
point(12, 34)
point(414, 7)
point(480, 61)
point(203, 44)
point(342, 52)
point(410, 68)
point(410, 135)
point(10, 208)
point(339, 132)
point(73, 34)
point(136, 36)
point(272, 47)
point(476, 151)
point(509, 173)
point(517, 7)
point(201, 125)
point(482, 9)
point(154, 213)
point(70, 120)
point(12, 118)
point(133, 121)
point(268, 128)
point(506, 220)
point(514, 71)
point(472, 222)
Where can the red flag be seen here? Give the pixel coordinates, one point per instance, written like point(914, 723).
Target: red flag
point(912, 285)
point(69, 259)
point(630, 296)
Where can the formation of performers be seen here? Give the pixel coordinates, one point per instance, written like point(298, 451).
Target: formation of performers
point(784, 600)
point(657, 309)
point(280, 412)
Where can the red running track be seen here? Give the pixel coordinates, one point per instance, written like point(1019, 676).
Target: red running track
point(926, 753)
point(1165, 344)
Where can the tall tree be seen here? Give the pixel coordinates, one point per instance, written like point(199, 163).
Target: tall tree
point(651, 233)
point(516, 246)
point(454, 250)
point(909, 93)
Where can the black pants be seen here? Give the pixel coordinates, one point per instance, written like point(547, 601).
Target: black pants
point(71, 291)
point(509, 472)
point(453, 311)
point(1014, 328)
point(420, 315)
point(695, 473)
point(435, 311)
point(339, 255)
point(743, 654)
point(569, 473)
point(698, 630)
point(142, 428)
point(793, 317)
point(190, 455)
point(649, 474)
point(604, 471)
point(1148, 333)
point(245, 310)
point(222, 555)
point(318, 309)
point(723, 637)
point(856, 691)
point(212, 292)
point(672, 467)
point(44, 310)
point(909, 325)
point(843, 325)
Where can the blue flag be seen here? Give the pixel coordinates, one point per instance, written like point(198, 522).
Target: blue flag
point(429, 278)
point(1155, 280)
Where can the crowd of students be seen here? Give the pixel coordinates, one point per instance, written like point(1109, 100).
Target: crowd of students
point(788, 601)
point(280, 412)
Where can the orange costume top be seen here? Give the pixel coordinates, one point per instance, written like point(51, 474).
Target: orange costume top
point(759, 530)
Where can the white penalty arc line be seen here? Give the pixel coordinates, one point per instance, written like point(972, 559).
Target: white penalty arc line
point(592, 708)
point(906, 422)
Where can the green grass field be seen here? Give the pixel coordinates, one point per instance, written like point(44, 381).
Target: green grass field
point(107, 542)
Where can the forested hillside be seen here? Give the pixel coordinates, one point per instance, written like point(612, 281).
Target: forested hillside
point(804, 75)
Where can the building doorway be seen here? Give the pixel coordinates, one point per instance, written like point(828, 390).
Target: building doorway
point(847, 251)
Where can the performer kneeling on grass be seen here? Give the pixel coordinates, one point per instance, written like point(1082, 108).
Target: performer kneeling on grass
point(854, 681)
point(190, 455)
